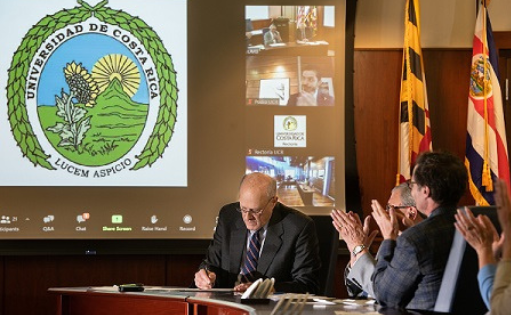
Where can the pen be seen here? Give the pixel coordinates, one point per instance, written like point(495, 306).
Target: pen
point(205, 263)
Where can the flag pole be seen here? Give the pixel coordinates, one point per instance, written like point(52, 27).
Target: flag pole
point(409, 85)
point(486, 175)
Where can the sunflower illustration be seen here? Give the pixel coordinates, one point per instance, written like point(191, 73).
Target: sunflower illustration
point(83, 87)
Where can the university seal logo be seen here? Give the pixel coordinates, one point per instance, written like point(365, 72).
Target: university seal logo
point(290, 123)
point(92, 92)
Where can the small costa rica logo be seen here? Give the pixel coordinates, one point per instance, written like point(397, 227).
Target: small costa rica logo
point(92, 92)
point(290, 123)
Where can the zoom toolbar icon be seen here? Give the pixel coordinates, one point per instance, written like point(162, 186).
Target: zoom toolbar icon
point(117, 218)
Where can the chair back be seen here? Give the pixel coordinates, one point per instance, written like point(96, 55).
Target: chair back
point(459, 292)
point(328, 250)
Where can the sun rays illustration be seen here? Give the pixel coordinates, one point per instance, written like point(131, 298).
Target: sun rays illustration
point(120, 67)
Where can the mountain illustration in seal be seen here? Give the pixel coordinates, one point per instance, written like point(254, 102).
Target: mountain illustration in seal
point(115, 114)
point(116, 124)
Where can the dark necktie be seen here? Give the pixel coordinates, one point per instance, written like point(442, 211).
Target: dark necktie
point(250, 264)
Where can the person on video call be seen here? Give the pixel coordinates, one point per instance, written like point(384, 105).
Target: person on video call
point(358, 238)
point(284, 238)
point(314, 91)
point(303, 32)
point(272, 36)
point(410, 267)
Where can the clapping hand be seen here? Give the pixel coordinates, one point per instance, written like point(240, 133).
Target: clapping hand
point(351, 229)
point(480, 234)
point(387, 221)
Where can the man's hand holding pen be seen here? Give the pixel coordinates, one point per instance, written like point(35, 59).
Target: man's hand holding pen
point(205, 279)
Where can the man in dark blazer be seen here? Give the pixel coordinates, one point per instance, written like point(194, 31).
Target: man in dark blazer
point(410, 267)
point(289, 251)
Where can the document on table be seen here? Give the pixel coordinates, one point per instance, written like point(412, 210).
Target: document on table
point(312, 299)
point(354, 306)
point(113, 288)
point(355, 313)
point(204, 290)
point(354, 302)
point(161, 289)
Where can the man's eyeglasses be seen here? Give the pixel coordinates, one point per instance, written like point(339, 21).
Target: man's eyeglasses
point(254, 211)
point(389, 206)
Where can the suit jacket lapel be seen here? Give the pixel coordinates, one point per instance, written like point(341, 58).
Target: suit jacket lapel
point(238, 240)
point(272, 242)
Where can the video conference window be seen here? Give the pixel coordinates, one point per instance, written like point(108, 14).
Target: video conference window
point(291, 27)
point(290, 56)
point(290, 81)
point(301, 180)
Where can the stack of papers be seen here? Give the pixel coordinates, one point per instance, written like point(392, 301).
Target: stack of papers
point(260, 289)
point(277, 45)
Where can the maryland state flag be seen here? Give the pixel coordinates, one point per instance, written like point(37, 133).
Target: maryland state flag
point(486, 153)
point(415, 128)
point(308, 15)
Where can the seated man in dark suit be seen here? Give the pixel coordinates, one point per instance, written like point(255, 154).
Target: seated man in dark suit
point(410, 267)
point(258, 237)
point(304, 33)
point(314, 92)
point(272, 36)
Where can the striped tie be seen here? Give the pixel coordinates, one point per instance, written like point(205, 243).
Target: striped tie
point(250, 265)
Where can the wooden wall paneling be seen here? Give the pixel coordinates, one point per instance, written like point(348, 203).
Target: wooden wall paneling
point(448, 78)
point(181, 269)
point(377, 81)
point(503, 43)
point(27, 278)
point(502, 40)
point(504, 77)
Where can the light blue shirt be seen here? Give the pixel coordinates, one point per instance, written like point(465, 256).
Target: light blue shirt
point(485, 278)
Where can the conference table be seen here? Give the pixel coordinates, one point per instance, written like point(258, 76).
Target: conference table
point(184, 301)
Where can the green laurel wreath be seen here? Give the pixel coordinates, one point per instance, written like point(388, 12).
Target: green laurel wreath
point(18, 72)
